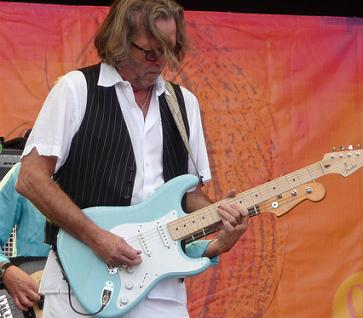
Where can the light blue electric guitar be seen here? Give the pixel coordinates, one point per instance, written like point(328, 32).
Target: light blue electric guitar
point(157, 226)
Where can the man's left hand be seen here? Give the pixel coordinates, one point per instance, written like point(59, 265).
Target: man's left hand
point(235, 222)
point(21, 287)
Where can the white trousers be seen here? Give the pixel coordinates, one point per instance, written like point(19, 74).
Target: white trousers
point(57, 306)
point(167, 299)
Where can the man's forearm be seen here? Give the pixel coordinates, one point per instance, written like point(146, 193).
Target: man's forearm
point(35, 183)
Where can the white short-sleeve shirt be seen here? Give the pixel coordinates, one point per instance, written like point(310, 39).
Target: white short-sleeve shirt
point(59, 120)
point(62, 114)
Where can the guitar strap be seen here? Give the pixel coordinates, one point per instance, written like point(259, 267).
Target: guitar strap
point(173, 105)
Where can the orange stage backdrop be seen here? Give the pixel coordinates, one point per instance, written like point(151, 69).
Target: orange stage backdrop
point(276, 92)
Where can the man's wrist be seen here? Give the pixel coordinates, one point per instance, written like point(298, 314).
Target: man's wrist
point(213, 249)
point(3, 268)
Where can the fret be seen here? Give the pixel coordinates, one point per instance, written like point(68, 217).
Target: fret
point(293, 181)
point(267, 191)
point(316, 171)
point(180, 228)
point(203, 221)
point(260, 194)
point(202, 233)
point(248, 199)
point(252, 211)
point(274, 189)
point(305, 176)
point(198, 224)
point(213, 216)
point(241, 199)
point(192, 223)
point(283, 184)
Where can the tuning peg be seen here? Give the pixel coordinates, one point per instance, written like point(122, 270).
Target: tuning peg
point(342, 148)
point(350, 147)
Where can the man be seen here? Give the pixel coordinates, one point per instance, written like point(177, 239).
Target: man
point(17, 211)
point(106, 134)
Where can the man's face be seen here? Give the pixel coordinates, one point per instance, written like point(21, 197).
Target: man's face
point(145, 70)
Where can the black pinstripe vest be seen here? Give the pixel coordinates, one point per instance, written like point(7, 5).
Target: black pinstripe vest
point(100, 168)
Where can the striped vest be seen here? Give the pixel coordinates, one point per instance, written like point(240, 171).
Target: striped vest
point(100, 168)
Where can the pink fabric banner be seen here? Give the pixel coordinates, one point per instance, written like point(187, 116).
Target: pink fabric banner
point(276, 93)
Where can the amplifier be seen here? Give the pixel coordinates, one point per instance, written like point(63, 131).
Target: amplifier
point(8, 158)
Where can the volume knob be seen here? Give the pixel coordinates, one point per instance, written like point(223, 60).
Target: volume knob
point(124, 300)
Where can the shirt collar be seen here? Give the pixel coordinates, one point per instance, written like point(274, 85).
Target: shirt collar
point(110, 77)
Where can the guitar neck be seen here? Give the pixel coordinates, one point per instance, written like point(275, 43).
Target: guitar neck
point(205, 221)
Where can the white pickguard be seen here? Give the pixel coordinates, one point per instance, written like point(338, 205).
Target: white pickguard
point(162, 257)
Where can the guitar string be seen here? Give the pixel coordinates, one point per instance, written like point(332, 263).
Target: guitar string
point(181, 221)
point(251, 195)
point(152, 233)
point(211, 208)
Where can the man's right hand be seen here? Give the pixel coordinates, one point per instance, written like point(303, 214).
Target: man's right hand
point(114, 250)
point(22, 288)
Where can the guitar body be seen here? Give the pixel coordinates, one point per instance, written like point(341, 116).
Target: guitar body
point(143, 226)
point(157, 226)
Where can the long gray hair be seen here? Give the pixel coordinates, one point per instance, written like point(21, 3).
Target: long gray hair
point(125, 19)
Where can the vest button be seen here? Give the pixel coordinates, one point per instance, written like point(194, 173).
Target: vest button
point(126, 196)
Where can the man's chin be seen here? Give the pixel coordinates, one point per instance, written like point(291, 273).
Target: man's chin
point(151, 78)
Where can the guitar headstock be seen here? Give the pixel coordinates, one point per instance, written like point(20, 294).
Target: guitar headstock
point(344, 162)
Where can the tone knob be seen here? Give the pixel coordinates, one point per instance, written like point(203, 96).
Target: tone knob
point(129, 285)
point(130, 269)
point(124, 300)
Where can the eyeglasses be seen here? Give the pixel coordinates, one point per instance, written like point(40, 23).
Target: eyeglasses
point(152, 55)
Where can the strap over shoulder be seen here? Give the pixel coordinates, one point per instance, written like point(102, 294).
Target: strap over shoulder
point(172, 102)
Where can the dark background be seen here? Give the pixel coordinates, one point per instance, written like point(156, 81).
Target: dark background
point(348, 8)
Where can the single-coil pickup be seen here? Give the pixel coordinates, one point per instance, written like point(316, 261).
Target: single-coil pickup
point(143, 243)
point(164, 235)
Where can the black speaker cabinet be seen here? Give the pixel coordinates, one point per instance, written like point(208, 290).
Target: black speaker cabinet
point(8, 158)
